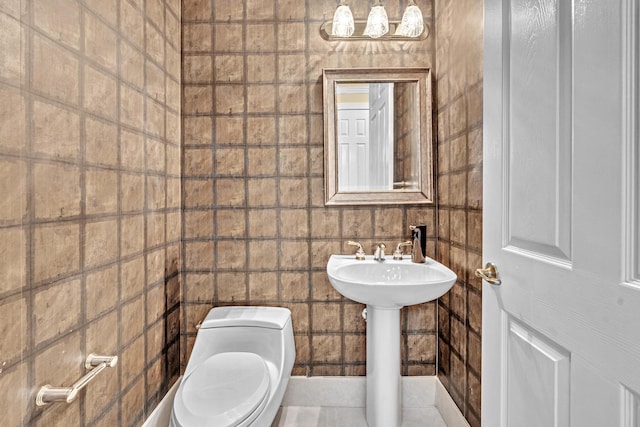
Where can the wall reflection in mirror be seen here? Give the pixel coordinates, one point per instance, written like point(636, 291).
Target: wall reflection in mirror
point(378, 149)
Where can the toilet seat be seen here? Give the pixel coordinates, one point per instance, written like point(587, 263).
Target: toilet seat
point(227, 389)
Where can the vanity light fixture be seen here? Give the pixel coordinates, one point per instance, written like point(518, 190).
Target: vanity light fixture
point(377, 26)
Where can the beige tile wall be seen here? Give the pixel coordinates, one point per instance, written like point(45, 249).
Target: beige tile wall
point(459, 32)
point(90, 222)
point(90, 173)
point(256, 230)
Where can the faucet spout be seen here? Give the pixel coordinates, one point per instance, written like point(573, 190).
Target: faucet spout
point(378, 255)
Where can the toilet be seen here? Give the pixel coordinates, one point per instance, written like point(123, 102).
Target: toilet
point(238, 370)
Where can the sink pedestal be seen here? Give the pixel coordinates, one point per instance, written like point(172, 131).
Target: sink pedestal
point(384, 387)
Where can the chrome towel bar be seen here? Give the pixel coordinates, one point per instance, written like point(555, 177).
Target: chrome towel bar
point(96, 363)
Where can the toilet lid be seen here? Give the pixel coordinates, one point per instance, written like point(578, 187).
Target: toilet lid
point(225, 390)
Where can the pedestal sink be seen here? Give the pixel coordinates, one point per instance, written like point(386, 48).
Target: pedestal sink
point(385, 287)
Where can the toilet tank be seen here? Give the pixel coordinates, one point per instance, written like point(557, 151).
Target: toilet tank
point(266, 331)
point(262, 317)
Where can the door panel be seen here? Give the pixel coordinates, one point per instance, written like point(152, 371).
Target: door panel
point(538, 63)
point(561, 342)
point(539, 403)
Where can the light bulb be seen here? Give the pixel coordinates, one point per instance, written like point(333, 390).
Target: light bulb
point(377, 23)
point(342, 21)
point(412, 23)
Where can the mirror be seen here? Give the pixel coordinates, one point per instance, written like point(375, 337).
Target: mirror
point(378, 136)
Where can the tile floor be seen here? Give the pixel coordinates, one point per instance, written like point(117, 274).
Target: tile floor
point(322, 416)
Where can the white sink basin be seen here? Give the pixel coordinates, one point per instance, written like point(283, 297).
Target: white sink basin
point(390, 283)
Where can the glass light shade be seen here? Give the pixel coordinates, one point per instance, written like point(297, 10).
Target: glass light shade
point(377, 23)
point(342, 21)
point(412, 23)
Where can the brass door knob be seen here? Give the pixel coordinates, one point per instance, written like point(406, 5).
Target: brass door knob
point(489, 273)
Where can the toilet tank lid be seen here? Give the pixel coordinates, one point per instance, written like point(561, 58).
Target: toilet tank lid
point(263, 317)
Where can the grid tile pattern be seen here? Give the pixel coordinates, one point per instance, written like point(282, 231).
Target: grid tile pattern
point(459, 64)
point(256, 230)
point(92, 184)
point(90, 212)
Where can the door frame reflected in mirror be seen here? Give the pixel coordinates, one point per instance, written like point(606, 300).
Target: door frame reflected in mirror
point(421, 85)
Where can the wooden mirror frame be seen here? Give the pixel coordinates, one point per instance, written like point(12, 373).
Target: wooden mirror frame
point(422, 195)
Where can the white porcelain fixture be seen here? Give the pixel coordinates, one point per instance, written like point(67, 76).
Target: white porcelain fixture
point(386, 286)
point(238, 370)
point(391, 283)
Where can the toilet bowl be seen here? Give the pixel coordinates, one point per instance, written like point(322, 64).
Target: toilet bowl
point(238, 370)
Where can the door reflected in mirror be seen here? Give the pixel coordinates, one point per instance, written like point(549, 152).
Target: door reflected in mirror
point(378, 137)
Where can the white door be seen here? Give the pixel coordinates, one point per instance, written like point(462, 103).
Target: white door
point(381, 131)
point(561, 334)
point(353, 149)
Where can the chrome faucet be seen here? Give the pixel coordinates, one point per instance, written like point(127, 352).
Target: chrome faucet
point(378, 255)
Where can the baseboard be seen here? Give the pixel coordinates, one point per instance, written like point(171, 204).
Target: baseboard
point(447, 407)
point(417, 392)
point(162, 414)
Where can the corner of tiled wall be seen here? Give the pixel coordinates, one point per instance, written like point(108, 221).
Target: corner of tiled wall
point(459, 35)
point(90, 209)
